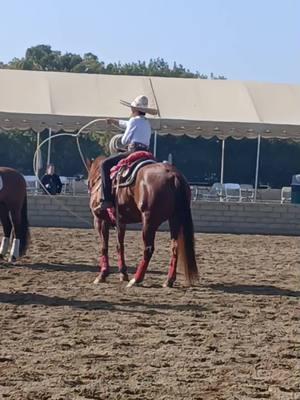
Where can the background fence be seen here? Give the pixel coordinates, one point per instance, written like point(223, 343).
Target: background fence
point(214, 217)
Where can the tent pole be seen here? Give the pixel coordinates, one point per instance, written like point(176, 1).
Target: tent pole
point(222, 162)
point(49, 147)
point(37, 161)
point(155, 143)
point(257, 167)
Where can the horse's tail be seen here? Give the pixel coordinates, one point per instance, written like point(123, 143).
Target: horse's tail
point(186, 247)
point(24, 232)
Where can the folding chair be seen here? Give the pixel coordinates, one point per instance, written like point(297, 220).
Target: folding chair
point(216, 193)
point(286, 194)
point(247, 193)
point(232, 192)
point(32, 184)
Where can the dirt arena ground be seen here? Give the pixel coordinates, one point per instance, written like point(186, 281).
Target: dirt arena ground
point(235, 336)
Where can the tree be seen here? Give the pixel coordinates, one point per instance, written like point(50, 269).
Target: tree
point(69, 61)
point(43, 58)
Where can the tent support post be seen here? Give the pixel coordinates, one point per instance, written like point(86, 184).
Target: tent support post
point(49, 146)
point(37, 162)
point(155, 144)
point(222, 162)
point(257, 167)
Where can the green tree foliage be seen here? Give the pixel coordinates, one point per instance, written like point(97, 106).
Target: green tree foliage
point(16, 150)
point(43, 58)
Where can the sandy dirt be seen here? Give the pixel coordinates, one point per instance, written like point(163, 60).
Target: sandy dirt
point(235, 336)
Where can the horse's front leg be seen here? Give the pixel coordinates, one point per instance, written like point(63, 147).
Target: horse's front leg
point(149, 231)
point(7, 228)
point(103, 230)
point(121, 254)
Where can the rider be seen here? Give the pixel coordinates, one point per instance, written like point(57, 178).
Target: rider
point(136, 136)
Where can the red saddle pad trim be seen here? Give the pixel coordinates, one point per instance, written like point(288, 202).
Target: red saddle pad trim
point(128, 161)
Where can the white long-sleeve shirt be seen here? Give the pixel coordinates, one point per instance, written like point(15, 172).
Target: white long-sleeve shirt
point(137, 130)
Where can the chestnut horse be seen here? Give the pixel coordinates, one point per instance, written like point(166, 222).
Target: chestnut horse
point(13, 213)
point(160, 193)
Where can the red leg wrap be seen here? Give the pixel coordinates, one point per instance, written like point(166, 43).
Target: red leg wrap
point(141, 270)
point(172, 269)
point(104, 265)
point(121, 261)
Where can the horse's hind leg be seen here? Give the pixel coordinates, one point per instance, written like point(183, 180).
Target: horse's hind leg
point(174, 230)
point(121, 254)
point(149, 232)
point(7, 227)
point(103, 230)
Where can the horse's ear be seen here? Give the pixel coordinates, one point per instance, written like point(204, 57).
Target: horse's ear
point(88, 163)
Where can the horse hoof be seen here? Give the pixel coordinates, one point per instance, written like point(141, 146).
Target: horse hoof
point(131, 283)
point(124, 277)
point(12, 260)
point(168, 284)
point(99, 279)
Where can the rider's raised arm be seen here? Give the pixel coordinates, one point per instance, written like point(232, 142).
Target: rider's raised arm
point(130, 128)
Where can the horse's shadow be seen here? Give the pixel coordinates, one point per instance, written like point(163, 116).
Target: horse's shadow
point(81, 268)
point(60, 267)
point(22, 299)
point(257, 290)
point(28, 298)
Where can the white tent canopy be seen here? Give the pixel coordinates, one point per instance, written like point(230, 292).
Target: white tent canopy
point(39, 100)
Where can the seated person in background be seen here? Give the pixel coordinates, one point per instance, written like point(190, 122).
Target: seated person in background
point(51, 181)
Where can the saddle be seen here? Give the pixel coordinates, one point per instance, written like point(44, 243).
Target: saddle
point(125, 172)
point(123, 175)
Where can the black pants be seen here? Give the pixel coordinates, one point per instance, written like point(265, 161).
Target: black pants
point(111, 162)
point(105, 174)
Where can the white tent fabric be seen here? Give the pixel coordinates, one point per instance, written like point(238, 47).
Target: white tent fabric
point(207, 108)
point(66, 101)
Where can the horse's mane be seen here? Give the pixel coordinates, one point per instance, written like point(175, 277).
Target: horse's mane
point(94, 168)
point(98, 160)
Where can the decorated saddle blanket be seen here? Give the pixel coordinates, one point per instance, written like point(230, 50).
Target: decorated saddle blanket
point(127, 169)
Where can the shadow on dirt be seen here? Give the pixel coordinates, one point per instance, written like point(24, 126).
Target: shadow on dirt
point(21, 299)
point(61, 267)
point(257, 290)
point(80, 268)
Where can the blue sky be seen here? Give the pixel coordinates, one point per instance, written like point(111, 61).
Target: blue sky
point(241, 39)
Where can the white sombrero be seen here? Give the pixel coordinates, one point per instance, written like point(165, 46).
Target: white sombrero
point(140, 103)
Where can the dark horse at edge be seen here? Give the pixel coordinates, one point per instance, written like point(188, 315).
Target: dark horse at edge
point(13, 213)
point(160, 193)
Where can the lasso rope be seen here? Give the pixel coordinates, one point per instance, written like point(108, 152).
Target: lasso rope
point(76, 136)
